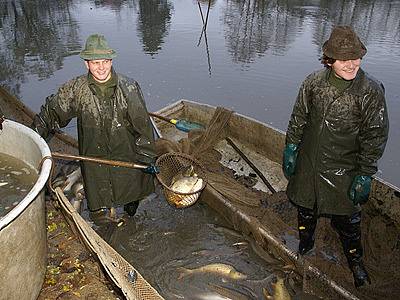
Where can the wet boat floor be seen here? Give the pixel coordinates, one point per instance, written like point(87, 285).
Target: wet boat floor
point(66, 277)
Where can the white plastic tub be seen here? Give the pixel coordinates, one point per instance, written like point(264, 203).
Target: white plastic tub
point(23, 247)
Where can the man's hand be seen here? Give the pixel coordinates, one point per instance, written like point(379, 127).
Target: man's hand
point(39, 125)
point(289, 160)
point(152, 169)
point(360, 188)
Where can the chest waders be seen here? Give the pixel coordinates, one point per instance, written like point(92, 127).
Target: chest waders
point(349, 230)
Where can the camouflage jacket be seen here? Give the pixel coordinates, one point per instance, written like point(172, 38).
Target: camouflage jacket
point(340, 135)
point(118, 129)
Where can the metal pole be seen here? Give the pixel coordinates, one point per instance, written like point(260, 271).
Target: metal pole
point(115, 163)
point(261, 175)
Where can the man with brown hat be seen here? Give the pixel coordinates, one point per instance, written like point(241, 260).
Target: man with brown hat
point(336, 134)
point(113, 123)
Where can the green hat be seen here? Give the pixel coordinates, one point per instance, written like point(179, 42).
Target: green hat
point(97, 48)
point(344, 44)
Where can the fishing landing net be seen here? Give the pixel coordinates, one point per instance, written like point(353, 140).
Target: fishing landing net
point(199, 145)
point(171, 164)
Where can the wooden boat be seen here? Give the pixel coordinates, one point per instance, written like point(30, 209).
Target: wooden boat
point(261, 145)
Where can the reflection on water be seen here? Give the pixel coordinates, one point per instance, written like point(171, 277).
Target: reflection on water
point(153, 23)
point(191, 253)
point(35, 39)
point(252, 59)
point(258, 27)
point(254, 28)
point(16, 180)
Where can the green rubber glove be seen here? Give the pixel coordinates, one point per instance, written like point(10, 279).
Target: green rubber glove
point(360, 188)
point(289, 160)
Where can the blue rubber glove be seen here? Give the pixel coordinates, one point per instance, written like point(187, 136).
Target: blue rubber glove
point(186, 126)
point(360, 188)
point(152, 169)
point(289, 159)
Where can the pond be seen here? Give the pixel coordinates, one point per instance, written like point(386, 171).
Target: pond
point(251, 58)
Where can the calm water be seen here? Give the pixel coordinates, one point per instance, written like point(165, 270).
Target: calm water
point(189, 239)
point(252, 59)
point(16, 180)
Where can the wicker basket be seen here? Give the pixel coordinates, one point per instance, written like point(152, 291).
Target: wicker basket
point(171, 164)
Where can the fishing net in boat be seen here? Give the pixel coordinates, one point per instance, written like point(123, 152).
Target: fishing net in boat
point(199, 144)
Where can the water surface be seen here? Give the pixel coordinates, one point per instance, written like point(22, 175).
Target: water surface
point(165, 243)
point(252, 58)
point(16, 180)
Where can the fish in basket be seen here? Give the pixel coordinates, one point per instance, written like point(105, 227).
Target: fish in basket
point(182, 178)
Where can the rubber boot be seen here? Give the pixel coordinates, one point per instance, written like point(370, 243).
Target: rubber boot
point(102, 216)
point(349, 230)
point(307, 221)
point(131, 208)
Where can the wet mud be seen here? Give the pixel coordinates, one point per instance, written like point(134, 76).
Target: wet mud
point(72, 271)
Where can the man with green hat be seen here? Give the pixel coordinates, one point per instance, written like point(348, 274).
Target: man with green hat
point(336, 134)
point(113, 123)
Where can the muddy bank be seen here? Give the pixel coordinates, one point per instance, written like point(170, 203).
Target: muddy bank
point(72, 271)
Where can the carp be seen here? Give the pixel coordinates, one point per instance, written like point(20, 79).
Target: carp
point(187, 171)
point(187, 185)
point(186, 181)
point(217, 268)
point(280, 291)
point(225, 230)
